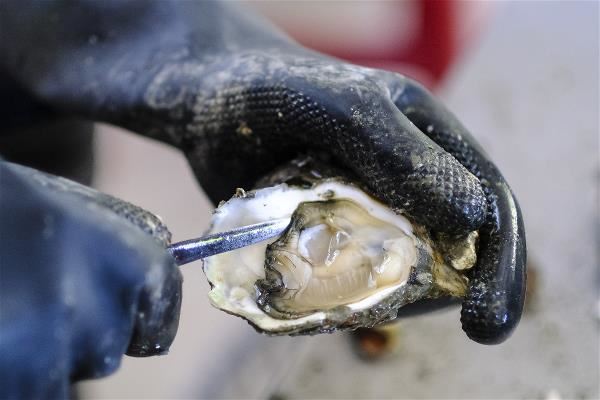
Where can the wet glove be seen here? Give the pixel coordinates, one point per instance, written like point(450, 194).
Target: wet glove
point(84, 278)
point(239, 98)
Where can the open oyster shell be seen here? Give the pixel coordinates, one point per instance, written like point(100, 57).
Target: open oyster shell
point(345, 261)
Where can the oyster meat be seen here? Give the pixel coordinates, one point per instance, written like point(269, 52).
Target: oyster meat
point(345, 261)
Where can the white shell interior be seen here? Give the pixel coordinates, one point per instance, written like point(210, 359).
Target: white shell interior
point(234, 274)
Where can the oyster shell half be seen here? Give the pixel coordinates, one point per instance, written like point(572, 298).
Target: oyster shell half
point(345, 261)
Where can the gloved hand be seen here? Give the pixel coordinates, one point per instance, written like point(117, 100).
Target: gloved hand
point(83, 278)
point(250, 112)
point(239, 98)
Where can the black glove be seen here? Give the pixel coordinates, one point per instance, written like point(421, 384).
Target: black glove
point(239, 98)
point(255, 110)
point(83, 278)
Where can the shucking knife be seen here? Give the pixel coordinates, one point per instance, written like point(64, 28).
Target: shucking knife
point(191, 250)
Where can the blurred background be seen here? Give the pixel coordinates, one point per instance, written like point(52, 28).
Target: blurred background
point(523, 76)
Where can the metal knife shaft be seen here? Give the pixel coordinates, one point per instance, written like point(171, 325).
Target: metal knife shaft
point(194, 249)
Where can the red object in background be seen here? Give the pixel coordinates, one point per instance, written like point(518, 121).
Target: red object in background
point(429, 54)
point(419, 38)
point(435, 47)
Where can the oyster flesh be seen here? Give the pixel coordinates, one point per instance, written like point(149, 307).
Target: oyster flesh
point(345, 261)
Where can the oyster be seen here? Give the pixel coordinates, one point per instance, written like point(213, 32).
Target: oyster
point(345, 261)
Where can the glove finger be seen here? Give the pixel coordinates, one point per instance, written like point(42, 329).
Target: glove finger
point(134, 238)
point(493, 306)
point(158, 302)
point(142, 219)
point(136, 290)
point(84, 283)
point(404, 167)
point(260, 127)
point(159, 305)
